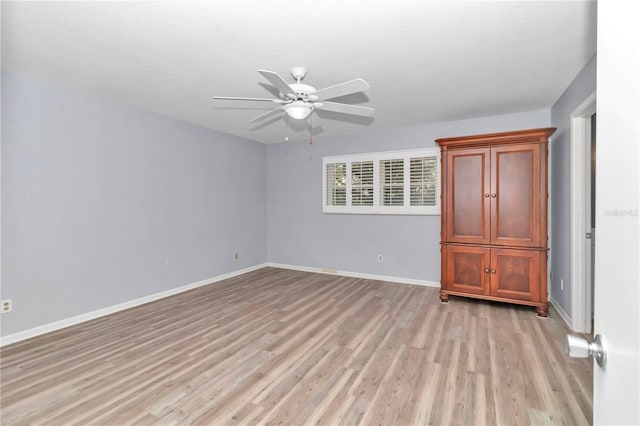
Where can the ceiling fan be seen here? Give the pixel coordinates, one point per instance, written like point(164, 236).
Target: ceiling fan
point(299, 100)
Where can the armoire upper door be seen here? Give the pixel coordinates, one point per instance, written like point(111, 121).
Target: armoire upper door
point(515, 196)
point(468, 204)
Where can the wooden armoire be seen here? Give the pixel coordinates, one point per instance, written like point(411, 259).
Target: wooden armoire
point(494, 217)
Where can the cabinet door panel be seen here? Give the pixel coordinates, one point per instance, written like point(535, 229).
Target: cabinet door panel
point(517, 274)
point(468, 180)
point(466, 269)
point(515, 195)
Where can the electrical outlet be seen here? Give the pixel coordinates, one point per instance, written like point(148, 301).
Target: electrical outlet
point(7, 305)
point(561, 284)
point(236, 256)
point(380, 259)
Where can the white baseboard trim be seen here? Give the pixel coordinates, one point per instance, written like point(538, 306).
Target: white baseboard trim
point(37, 331)
point(356, 275)
point(57, 325)
point(563, 314)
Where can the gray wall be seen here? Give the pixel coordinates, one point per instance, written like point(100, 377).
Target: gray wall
point(560, 163)
point(103, 203)
point(300, 234)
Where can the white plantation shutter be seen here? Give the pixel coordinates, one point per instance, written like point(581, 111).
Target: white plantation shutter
point(424, 181)
point(392, 182)
point(336, 188)
point(398, 182)
point(362, 183)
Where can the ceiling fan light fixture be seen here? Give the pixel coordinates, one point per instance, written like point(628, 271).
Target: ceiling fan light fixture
point(298, 110)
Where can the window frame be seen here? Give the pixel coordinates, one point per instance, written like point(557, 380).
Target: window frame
point(377, 157)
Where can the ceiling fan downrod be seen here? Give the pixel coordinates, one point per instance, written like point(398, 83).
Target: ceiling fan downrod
point(298, 73)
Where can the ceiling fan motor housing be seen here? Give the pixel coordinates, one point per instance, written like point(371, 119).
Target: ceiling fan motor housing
point(302, 90)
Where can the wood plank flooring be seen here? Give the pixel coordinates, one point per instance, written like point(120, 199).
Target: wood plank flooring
point(285, 347)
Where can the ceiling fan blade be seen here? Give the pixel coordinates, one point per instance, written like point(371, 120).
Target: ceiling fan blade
point(265, 115)
point(280, 84)
point(345, 108)
point(342, 89)
point(234, 98)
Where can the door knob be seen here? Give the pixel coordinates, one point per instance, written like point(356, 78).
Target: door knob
point(579, 347)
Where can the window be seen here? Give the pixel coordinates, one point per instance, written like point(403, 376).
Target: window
point(336, 184)
point(362, 183)
point(400, 182)
point(424, 181)
point(392, 182)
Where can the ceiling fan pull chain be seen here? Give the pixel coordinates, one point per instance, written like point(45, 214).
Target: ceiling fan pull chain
point(310, 130)
point(286, 127)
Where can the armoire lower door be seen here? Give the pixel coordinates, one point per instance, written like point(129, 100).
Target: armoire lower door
point(515, 274)
point(468, 269)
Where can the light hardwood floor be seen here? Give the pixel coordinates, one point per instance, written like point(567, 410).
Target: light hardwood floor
point(277, 346)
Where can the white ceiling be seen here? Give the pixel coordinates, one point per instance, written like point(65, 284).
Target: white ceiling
point(426, 61)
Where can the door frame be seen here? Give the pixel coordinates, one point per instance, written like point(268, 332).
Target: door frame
point(581, 214)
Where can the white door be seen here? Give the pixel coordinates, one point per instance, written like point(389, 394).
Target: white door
point(616, 393)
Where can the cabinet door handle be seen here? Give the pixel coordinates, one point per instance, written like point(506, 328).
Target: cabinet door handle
point(493, 195)
point(493, 271)
point(486, 195)
point(486, 270)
